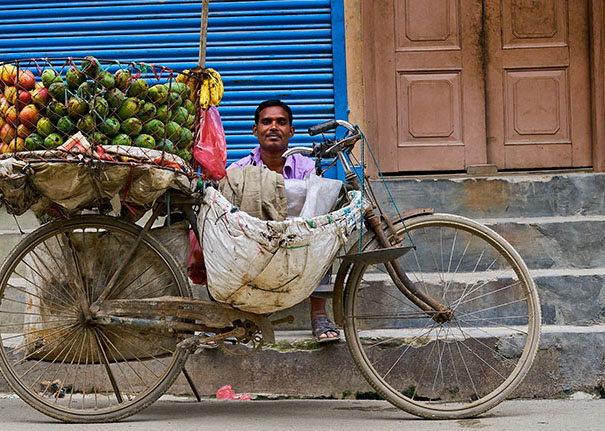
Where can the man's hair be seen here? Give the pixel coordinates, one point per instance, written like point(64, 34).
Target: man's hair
point(272, 102)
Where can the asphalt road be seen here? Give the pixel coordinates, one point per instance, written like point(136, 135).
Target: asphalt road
point(186, 414)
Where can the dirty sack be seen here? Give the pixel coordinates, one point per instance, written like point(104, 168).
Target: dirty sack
point(262, 266)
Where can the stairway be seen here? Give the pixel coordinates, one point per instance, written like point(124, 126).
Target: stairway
point(555, 220)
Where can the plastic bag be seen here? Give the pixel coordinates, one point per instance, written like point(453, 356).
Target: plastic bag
point(210, 150)
point(196, 270)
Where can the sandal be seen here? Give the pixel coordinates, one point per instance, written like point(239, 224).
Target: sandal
point(322, 325)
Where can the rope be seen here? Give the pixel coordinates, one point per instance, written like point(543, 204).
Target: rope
point(364, 143)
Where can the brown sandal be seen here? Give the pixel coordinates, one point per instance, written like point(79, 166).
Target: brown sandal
point(322, 325)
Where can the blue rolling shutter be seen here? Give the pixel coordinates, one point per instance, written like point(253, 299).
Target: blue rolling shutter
point(291, 50)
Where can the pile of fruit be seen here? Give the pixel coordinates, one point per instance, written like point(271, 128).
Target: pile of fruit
point(42, 110)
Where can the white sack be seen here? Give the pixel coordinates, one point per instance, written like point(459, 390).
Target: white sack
point(266, 266)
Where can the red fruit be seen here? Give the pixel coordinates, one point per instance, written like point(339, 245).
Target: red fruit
point(8, 74)
point(29, 116)
point(11, 94)
point(26, 80)
point(24, 99)
point(7, 133)
point(23, 131)
point(40, 97)
point(4, 105)
point(11, 115)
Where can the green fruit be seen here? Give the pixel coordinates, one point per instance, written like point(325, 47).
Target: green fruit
point(165, 145)
point(139, 88)
point(45, 127)
point(110, 126)
point(122, 79)
point(129, 108)
point(121, 139)
point(76, 107)
point(56, 110)
point(106, 79)
point(185, 155)
point(179, 115)
point(154, 128)
point(115, 98)
point(190, 121)
point(186, 138)
point(158, 94)
point(86, 124)
point(99, 106)
point(53, 140)
point(131, 126)
point(173, 131)
point(57, 91)
point(88, 89)
point(174, 100)
point(163, 114)
point(50, 76)
point(90, 66)
point(145, 141)
point(181, 89)
point(189, 106)
point(147, 112)
point(34, 142)
point(65, 125)
point(74, 77)
point(99, 138)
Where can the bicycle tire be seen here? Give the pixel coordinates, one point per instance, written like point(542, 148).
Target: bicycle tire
point(455, 369)
point(51, 357)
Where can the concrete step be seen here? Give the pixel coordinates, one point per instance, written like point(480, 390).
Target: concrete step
point(555, 242)
point(503, 195)
point(296, 366)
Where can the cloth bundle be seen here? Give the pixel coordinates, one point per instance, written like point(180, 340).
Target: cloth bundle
point(264, 266)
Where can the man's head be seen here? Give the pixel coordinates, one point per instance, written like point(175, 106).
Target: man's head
point(273, 126)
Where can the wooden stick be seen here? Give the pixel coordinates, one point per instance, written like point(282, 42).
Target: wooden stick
point(203, 33)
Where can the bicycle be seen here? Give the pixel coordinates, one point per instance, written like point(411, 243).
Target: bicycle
point(440, 313)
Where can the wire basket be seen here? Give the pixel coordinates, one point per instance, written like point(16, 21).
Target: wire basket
point(119, 112)
point(84, 133)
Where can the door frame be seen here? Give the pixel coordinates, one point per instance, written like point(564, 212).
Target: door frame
point(373, 75)
point(597, 72)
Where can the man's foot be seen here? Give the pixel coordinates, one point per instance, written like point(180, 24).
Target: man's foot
point(324, 330)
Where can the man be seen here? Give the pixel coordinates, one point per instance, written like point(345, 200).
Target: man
point(273, 129)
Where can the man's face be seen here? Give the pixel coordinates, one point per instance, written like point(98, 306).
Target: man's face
point(273, 129)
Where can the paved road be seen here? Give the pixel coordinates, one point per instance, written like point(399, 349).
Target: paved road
point(333, 415)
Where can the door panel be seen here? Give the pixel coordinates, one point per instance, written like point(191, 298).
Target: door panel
point(429, 75)
point(537, 92)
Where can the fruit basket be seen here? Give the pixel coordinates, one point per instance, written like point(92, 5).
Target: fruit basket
point(77, 132)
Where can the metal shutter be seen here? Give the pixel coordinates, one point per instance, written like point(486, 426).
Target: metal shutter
point(291, 50)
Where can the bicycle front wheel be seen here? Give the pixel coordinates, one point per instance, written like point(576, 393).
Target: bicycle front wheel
point(472, 361)
point(63, 363)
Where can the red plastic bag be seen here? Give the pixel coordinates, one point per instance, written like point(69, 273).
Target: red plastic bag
point(196, 270)
point(227, 393)
point(210, 150)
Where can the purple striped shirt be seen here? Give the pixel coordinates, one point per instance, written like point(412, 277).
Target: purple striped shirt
point(297, 166)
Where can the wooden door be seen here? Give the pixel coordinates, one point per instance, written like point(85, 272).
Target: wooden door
point(538, 88)
point(454, 83)
point(424, 83)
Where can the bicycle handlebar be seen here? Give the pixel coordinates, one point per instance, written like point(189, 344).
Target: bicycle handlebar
point(330, 125)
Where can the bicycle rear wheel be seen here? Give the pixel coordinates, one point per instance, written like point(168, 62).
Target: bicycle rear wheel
point(56, 359)
point(466, 365)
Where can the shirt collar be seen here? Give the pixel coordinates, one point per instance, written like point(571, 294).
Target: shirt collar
point(288, 166)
